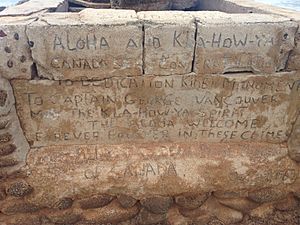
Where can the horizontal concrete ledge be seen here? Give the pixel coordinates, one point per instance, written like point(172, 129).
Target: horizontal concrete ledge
point(106, 43)
point(157, 169)
point(147, 109)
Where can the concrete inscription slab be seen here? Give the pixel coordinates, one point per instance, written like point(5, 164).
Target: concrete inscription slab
point(16, 61)
point(98, 41)
point(239, 42)
point(159, 109)
point(169, 42)
point(139, 118)
point(159, 168)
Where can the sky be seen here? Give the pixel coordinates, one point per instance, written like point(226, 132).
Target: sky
point(293, 4)
point(8, 2)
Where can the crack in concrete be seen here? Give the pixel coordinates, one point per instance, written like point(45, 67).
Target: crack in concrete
point(195, 47)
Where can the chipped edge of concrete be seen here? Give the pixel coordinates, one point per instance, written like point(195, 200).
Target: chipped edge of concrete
point(16, 159)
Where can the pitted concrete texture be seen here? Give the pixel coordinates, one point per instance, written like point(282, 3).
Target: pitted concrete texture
point(169, 117)
point(16, 60)
point(231, 43)
point(105, 42)
point(249, 6)
point(110, 43)
point(151, 109)
point(181, 167)
point(169, 42)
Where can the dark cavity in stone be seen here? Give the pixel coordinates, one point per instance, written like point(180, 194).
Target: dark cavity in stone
point(16, 36)
point(22, 58)
point(2, 33)
point(31, 43)
point(10, 63)
point(7, 49)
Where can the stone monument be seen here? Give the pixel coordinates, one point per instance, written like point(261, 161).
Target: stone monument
point(112, 116)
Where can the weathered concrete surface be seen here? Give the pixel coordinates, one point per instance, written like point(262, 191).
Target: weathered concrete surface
point(240, 42)
point(161, 169)
point(35, 6)
point(169, 42)
point(13, 145)
point(294, 141)
point(151, 109)
point(168, 147)
point(246, 6)
point(93, 44)
point(16, 58)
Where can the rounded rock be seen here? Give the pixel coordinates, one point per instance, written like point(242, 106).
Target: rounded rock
point(263, 211)
point(157, 205)
point(64, 218)
point(19, 189)
point(112, 213)
point(4, 138)
point(230, 194)
point(288, 204)
point(64, 203)
point(240, 204)
point(95, 201)
point(8, 162)
point(27, 220)
point(148, 218)
point(267, 195)
point(191, 201)
point(126, 201)
point(15, 207)
point(7, 149)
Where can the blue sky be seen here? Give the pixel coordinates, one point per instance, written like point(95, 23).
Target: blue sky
point(8, 2)
point(293, 4)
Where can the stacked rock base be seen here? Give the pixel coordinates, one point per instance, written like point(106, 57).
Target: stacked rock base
point(266, 206)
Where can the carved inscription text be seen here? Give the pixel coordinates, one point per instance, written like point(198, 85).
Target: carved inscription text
point(158, 109)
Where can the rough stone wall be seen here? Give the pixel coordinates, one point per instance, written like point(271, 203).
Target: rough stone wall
point(118, 117)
